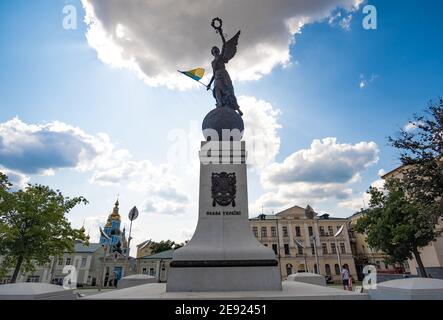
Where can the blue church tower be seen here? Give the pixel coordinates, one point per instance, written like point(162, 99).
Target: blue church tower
point(117, 241)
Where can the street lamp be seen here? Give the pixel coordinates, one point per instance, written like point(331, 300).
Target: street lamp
point(314, 242)
point(133, 214)
point(300, 245)
point(336, 244)
point(105, 249)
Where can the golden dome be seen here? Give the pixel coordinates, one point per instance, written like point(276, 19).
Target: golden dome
point(115, 215)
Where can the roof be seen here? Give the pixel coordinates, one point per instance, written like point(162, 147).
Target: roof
point(144, 244)
point(392, 172)
point(91, 248)
point(288, 212)
point(291, 209)
point(161, 255)
point(265, 217)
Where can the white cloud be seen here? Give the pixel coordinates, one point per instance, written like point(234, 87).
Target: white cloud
point(323, 172)
point(301, 194)
point(261, 125)
point(365, 81)
point(411, 126)
point(362, 201)
point(92, 225)
point(162, 188)
point(18, 179)
point(341, 19)
point(155, 38)
point(325, 162)
point(44, 148)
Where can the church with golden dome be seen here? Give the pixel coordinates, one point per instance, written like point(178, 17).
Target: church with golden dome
point(113, 236)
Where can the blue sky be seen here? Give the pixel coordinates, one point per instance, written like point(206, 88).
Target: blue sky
point(51, 74)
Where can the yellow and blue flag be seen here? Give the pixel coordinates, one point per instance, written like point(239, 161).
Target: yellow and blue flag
point(196, 74)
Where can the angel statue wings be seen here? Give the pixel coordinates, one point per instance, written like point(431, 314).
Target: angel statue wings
point(223, 88)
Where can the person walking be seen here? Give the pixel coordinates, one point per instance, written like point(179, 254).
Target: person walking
point(345, 278)
point(350, 282)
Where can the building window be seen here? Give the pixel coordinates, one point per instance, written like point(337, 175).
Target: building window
point(265, 244)
point(273, 232)
point(297, 231)
point(274, 247)
point(342, 248)
point(310, 231)
point(313, 249)
point(322, 231)
point(33, 279)
point(144, 270)
point(330, 231)
point(83, 262)
point(264, 232)
point(152, 272)
point(300, 250)
point(338, 228)
point(287, 249)
point(60, 261)
point(333, 248)
point(68, 261)
point(255, 231)
point(285, 231)
point(337, 269)
point(327, 269)
point(324, 247)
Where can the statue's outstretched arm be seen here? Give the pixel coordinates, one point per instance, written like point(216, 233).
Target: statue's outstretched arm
point(208, 87)
point(222, 35)
point(220, 31)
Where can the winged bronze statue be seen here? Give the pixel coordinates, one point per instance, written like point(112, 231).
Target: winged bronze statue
point(223, 88)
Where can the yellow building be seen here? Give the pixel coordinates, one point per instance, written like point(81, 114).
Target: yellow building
point(144, 249)
point(303, 240)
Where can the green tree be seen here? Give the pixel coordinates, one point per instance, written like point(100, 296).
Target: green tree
point(161, 246)
point(394, 225)
point(33, 226)
point(421, 153)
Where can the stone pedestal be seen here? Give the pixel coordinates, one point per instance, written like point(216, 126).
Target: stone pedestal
point(409, 289)
point(135, 280)
point(35, 291)
point(223, 254)
point(307, 277)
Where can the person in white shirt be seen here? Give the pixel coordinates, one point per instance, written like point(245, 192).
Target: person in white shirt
point(345, 277)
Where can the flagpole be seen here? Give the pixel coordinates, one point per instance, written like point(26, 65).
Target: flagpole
point(195, 80)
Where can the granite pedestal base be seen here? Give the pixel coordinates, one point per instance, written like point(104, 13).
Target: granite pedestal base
point(224, 279)
point(223, 254)
point(291, 290)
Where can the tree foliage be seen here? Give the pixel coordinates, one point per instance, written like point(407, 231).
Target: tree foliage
point(33, 226)
point(421, 153)
point(161, 246)
point(394, 225)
